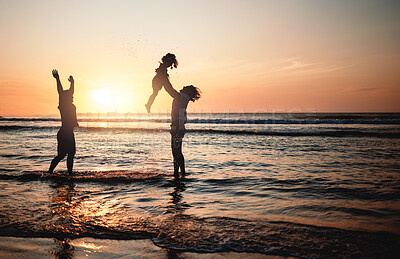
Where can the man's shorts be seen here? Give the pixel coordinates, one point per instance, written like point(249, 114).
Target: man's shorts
point(177, 132)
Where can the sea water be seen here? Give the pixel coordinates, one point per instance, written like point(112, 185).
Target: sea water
point(303, 185)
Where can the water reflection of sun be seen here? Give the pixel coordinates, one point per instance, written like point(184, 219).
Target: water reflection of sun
point(90, 246)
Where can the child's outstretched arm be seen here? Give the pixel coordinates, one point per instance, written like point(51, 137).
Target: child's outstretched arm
point(170, 89)
point(57, 77)
point(72, 87)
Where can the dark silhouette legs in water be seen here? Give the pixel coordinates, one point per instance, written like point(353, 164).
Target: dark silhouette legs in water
point(58, 158)
point(65, 146)
point(179, 160)
point(55, 162)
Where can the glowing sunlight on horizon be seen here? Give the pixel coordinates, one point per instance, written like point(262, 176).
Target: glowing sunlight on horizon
point(108, 95)
point(101, 96)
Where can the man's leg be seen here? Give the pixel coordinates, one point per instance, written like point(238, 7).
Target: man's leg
point(176, 145)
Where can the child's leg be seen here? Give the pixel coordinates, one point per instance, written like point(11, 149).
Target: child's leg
point(151, 99)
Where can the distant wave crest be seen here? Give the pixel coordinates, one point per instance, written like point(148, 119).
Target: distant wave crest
point(370, 120)
point(317, 133)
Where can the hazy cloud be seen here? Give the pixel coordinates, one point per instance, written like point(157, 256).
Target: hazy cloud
point(298, 66)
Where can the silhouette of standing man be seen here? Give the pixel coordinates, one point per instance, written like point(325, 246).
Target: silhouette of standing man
point(178, 121)
point(65, 136)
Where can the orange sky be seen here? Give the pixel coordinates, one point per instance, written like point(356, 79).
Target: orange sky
point(246, 56)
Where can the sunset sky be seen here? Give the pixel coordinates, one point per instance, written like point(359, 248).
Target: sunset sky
point(245, 56)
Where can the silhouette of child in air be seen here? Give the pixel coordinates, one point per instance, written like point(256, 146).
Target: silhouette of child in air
point(178, 120)
point(65, 136)
point(168, 60)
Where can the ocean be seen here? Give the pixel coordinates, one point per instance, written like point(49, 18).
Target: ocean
point(301, 185)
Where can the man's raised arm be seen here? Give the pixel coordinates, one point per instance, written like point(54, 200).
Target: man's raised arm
point(170, 89)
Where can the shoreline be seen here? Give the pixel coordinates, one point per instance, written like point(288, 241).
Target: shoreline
point(37, 247)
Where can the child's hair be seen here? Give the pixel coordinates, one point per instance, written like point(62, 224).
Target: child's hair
point(193, 92)
point(170, 58)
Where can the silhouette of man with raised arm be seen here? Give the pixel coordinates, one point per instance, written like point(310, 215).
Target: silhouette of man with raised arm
point(65, 136)
point(178, 121)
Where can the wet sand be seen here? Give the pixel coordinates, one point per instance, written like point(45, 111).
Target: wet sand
point(16, 247)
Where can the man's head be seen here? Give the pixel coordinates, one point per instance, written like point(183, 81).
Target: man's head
point(193, 92)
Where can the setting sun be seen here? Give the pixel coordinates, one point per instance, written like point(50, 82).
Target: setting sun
point(101, 96)
point(111, 95)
